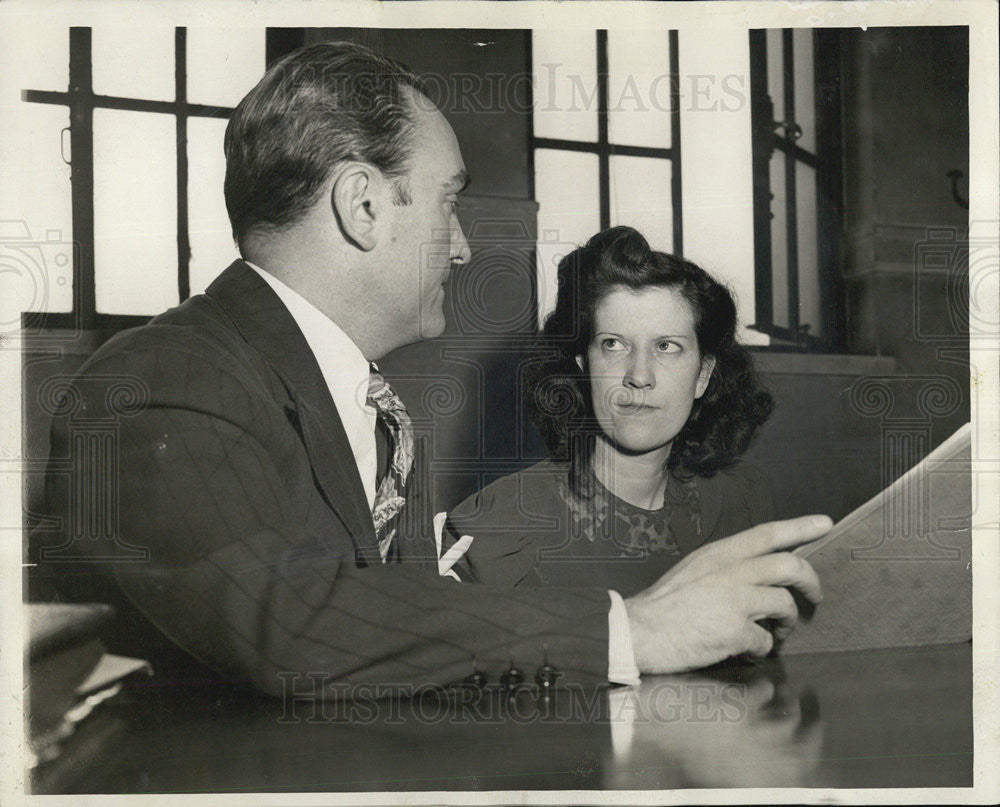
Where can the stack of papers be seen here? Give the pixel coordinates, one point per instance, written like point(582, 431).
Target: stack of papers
point(897, 572)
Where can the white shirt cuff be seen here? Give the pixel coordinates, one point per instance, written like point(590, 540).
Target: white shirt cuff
point(621, 657)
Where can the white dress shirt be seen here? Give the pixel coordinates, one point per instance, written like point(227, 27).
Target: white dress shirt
point(346, 372)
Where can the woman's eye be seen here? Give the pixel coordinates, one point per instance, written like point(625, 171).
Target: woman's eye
point(666, 346)
point(609, 343)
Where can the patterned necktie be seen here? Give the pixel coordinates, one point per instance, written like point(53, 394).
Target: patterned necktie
point(389, 498)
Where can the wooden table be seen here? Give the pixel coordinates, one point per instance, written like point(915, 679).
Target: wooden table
point(894, 718)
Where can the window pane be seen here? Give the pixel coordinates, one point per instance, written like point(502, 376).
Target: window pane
point(639, 88)
point(223, 64)
point(810, 308)
point(134, 62)
point(805, 97)
point(717, 171)
point(36, 218)
point(779, 241)
point(135, 211)
point(212, 248)
point(566, 188)
point(640, 198)
point(565, 68)
point(30, 69)
point(775, 73)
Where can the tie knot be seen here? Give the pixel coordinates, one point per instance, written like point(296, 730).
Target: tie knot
point(384, 399)
point(376, 384)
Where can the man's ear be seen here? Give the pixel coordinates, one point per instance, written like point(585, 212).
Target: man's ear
point(579, 363)
point(355, 203)
point(707, 366)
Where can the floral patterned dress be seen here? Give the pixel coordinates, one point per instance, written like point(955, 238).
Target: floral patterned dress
point(530, 528)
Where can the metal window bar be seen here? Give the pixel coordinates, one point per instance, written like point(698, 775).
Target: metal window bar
point(766, 140)
point(180, 96)
point(675, 144)
point(761, 115)
point(791, 210)
point(603, 153)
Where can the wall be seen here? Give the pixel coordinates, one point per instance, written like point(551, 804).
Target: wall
point(818, 451)
point(906, 125)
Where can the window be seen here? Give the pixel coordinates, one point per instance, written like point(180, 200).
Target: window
point(759, 210)
point(136, 117)
point(794, 106)
point(142, 117)
point(606, 141)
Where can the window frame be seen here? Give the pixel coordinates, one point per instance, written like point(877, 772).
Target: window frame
point(81, 102)
point(604, 149)
point(770, 136)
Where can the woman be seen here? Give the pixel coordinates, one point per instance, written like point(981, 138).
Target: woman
point(646, 402)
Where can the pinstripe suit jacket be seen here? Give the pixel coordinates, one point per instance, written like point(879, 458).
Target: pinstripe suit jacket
point(237, 485)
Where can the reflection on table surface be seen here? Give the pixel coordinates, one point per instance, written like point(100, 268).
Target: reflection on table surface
point(894, 718)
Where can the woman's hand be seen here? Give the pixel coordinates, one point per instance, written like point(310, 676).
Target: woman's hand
point(708, 606)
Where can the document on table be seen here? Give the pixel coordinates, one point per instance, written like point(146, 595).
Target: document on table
point(897, 572)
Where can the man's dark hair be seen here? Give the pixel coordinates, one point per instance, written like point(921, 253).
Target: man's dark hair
point(315, 108)
point(722, 421)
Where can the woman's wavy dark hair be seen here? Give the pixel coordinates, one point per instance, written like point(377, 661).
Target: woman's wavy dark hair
point(723, 420)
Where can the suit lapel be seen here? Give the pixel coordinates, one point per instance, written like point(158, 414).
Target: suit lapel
point(269, 328)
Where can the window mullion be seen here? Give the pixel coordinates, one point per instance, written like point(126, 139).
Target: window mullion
point(676, 200)
point(791, 217)
point(183, 235)
point(603, 155)
point(762, 113)
point(81, 98)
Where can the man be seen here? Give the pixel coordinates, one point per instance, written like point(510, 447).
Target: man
point(254, 532)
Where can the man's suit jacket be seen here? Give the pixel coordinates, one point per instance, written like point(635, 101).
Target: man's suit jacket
point(252, 545)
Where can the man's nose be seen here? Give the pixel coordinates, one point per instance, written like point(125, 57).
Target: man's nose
point(639, 374)
point(460, 251)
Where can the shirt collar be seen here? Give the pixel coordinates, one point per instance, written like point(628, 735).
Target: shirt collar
point(344, 367)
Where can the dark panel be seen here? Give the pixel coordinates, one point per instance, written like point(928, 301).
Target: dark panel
point(282, 41)
point(920, 87)
point(906, 123)
point(479, 80)
point(464, 389)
